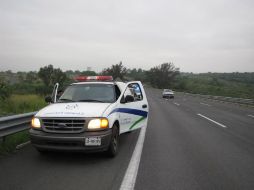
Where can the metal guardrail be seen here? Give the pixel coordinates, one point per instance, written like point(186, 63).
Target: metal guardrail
point(224, 99)
point(16, 123)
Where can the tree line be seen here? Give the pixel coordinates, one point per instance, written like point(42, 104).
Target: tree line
point(42, 82)
point(165, 75)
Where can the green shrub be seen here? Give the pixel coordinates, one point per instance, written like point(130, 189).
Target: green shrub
point(4, 90)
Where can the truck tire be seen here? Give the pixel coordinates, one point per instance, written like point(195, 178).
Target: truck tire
point(43, 151)
point(114, 142)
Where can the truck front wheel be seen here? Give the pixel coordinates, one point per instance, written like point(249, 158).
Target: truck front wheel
point(114, 142)
point(42, 151)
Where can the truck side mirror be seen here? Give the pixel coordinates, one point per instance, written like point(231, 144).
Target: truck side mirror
point(48, 99)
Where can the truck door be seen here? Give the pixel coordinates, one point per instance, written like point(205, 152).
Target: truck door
point(133, 107)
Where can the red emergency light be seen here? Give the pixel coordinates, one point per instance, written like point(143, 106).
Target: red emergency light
point(93, 78)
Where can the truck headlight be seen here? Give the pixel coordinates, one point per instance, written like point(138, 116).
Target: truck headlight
point(36, 123)
point(98, 123)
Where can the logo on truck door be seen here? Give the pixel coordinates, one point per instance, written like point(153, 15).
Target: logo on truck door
point(137, 112)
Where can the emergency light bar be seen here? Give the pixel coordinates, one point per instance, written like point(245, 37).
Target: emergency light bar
point(93, 78)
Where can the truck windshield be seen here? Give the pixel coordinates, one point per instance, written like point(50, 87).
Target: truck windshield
point(89, 93)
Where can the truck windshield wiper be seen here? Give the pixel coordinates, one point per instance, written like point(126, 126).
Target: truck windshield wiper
point(67, 100)
point(90, 100)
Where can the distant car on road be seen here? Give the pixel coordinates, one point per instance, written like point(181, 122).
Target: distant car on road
point(167, 93)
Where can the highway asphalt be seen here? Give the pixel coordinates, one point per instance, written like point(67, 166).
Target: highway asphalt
point(190, 143)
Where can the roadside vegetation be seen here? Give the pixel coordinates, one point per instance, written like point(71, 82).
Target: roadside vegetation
point(238, 85)
point(21, 103)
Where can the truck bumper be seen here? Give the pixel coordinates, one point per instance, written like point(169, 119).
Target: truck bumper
point(168, 96)
point(69, 142)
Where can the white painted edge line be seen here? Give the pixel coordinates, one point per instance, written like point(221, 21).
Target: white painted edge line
point(176, 104)
point(224, 126)
point(251, 116)
point(130, 176)
point(22, 145)
point(204, 104)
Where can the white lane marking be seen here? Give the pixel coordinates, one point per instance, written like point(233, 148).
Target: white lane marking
point(22, 145)
point(251, 116)
point(176, 104)
point(130, 176)
point(204, 104)
point(212, 120)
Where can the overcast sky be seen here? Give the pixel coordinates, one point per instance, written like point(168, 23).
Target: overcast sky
point(197, 36)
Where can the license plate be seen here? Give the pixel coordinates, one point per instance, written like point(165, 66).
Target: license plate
point(93, 141)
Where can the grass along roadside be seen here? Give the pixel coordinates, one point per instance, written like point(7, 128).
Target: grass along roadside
point(10, 142)
point(17, 104)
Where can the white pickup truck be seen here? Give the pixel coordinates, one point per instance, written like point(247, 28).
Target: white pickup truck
point(90, 115)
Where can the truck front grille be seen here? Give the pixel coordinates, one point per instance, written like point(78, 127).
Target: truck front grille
point(63, 125)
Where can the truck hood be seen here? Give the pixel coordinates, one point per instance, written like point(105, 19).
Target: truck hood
point(75, 109)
